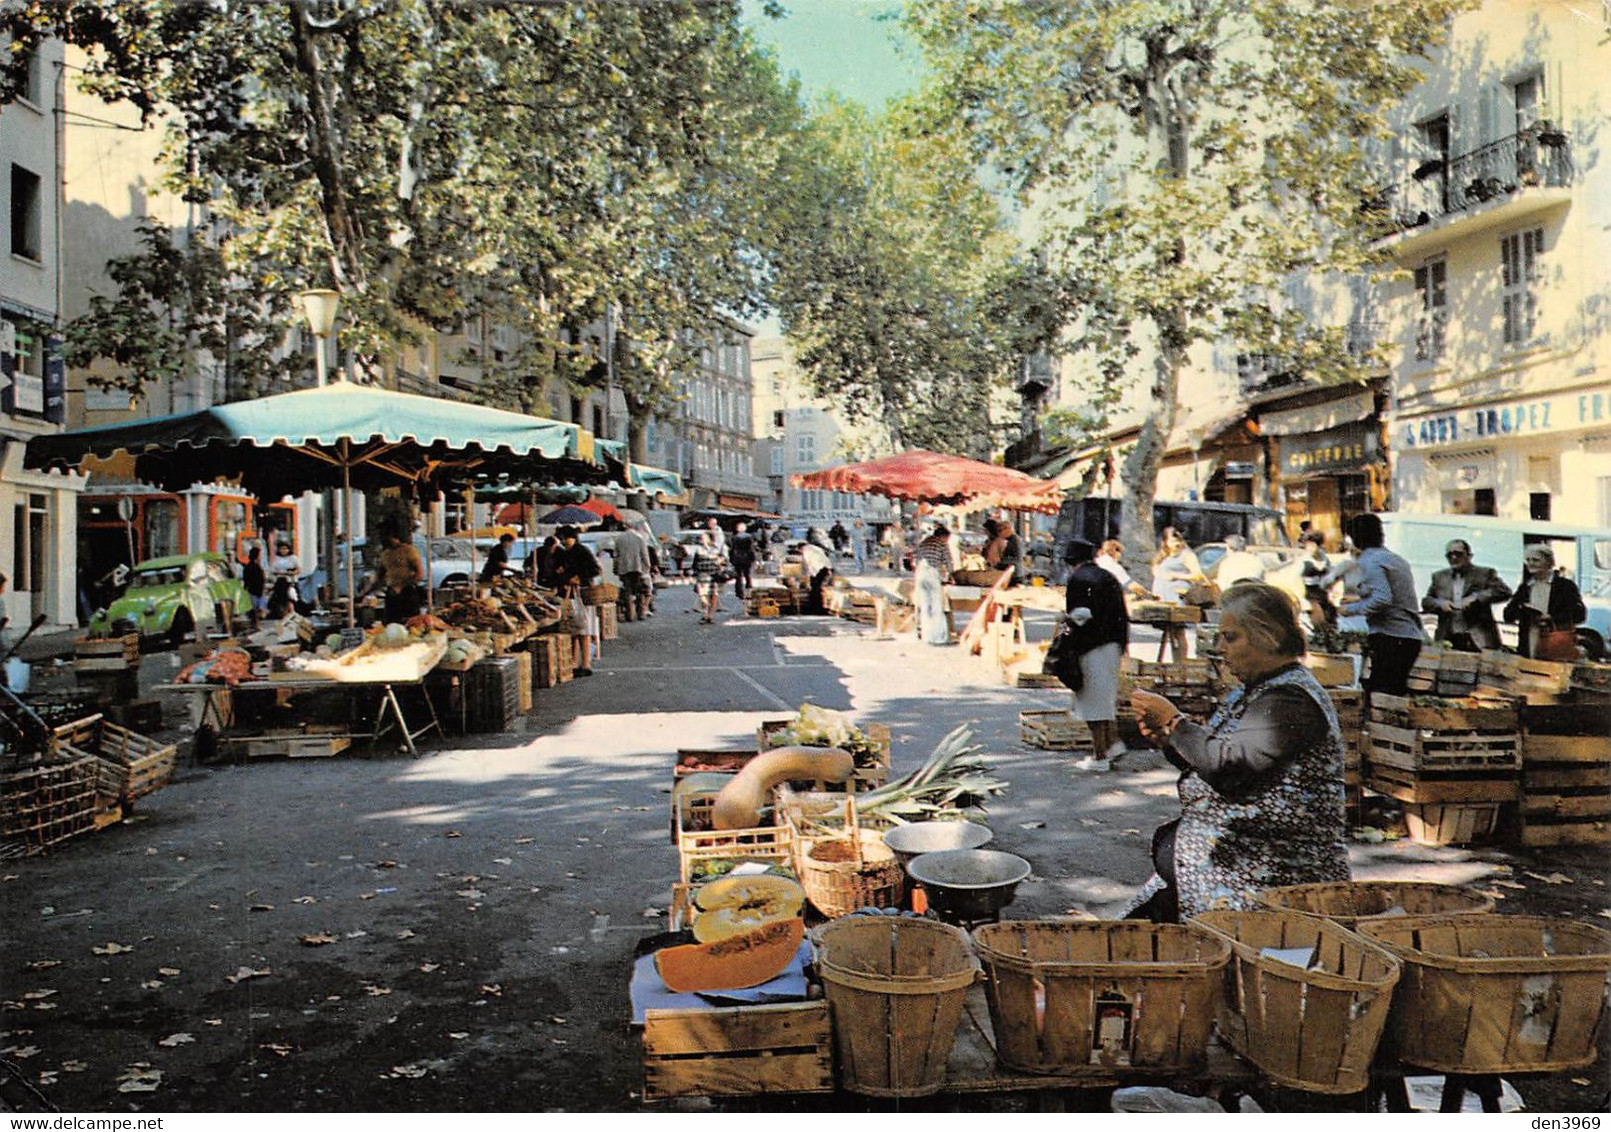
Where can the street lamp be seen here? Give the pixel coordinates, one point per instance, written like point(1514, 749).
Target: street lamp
point(319, 307)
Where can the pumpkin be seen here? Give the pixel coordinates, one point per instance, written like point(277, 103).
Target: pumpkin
point(739, 961)
point(740, 802)
point(734, 905)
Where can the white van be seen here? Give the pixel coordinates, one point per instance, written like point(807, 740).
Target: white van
point(1581, 553)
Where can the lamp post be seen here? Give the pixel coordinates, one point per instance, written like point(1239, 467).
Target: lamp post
point(319, 307)
point(1195, 438)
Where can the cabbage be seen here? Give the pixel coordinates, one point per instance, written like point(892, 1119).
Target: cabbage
point(394, 636)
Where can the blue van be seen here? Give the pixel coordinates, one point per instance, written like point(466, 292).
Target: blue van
point(1581, 553)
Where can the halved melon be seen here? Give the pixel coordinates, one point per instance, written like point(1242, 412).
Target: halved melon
point(739, 961)
point(735, 905)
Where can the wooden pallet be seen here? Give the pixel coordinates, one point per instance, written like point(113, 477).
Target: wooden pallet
point(108, 654)
point(1053, 731)
point(1443, 751)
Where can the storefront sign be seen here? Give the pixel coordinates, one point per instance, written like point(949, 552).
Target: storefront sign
point(55, 383)
point(1347, 448)
point(1559, 413)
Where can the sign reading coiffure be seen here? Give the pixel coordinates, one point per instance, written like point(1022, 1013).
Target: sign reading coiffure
point(1346, 448)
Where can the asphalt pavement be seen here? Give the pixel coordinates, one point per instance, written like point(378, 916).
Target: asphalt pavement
point(454, 932)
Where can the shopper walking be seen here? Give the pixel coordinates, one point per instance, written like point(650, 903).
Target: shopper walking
point(1100, 631)
point(933, 563)
point(741, 555)
point(706, 564)
point(1385, 596)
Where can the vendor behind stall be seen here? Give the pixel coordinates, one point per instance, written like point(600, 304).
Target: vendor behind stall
point(497, 563)
point(401, 572)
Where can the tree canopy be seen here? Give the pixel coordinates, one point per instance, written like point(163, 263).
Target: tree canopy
point(1181, 160)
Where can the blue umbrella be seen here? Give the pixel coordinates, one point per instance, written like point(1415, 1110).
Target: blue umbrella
point(569, 516)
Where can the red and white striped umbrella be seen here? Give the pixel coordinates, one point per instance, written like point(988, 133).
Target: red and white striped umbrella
point(933, 477)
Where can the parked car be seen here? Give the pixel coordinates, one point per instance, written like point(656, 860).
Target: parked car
point(171, 596)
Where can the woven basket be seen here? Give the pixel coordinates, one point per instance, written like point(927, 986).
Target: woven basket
point(1314, 1028)
point(1069, 994)
point(854, 870)
point(1352, 902)
point(1497, 994)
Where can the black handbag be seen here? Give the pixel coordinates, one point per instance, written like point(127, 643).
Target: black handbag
point(1063, 657)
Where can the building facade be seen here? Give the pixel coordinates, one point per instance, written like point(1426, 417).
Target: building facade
point(37, 510)
point(1502, 393)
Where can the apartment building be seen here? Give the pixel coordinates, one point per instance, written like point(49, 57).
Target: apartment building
point(802, 433)
point(1501, 395)
point(37, 547)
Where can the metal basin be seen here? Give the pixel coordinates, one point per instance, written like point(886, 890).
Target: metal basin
point(909, 841)
point(968, 884)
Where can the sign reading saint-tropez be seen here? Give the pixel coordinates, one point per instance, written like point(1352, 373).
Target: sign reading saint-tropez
point(1556, 413)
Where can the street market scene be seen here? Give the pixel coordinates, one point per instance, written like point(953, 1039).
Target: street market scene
point(944, 556)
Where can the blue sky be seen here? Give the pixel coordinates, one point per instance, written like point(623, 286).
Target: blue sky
point(840, 45)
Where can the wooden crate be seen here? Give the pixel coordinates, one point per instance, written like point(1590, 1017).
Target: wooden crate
point(868, 777)
point(545, 649)
point(292, 743)
point(45, 805)
point(1534, 681)
point(738, 1051)
point(1431, 786)
point(1332, 670)
point(107, 654)
point(1592, 679)
point(1566, 788)
point(1454, 823)
point(128, 765)
point(608, 623)
point(1173, 674)
point(1444, 672)
point(1053, 731)
point(1443, 751)
point(699, 760)
point(772, 843)
point(603, 593)
point(526, 679)
point(1472, 713)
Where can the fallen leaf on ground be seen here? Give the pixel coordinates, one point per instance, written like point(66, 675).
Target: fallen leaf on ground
point(502, 861)
point(1501, 883)
point(305, 900)
point(1606, 912)
point(653, 913)
point(213, 1021)
point(139, 1078)
point(429, 967)
point(366, 896)
point(376, 992)
point(36, 995)
point(406, 933)
point(1552, 878)
point(557, 1020)
point(112, 949)
point(244, 973)
point(44, 964)
point(1131, 832)
point(1032, 825)
point(74, 1066)
point(152, 984)
point(180, 1039)
point(48, 1077)
point(456, 1035)
point(472, 893)
point(1581, 1081)
point(415, 1070)
point(261, 908)
point(276, 1047)
point(169, 971)
point(524, 840)
point(453, 833)
point(385, 864)
point(20, 1052)
point(492, 989)
point(318, 939)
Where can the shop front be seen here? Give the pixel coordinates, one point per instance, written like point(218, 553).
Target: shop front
point(1330, 475)
point(1510, 458)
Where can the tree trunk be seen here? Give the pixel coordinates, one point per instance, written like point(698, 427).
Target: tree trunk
point(345, 239)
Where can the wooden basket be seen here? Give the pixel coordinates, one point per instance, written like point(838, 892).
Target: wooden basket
point(1069, 994)
point(601, 594)
point(1314, 1028)
point(896, 987)
point(1353, 902)
point(1450, 823)
point(45, 805)
point(1497, 994)
point(851, 870)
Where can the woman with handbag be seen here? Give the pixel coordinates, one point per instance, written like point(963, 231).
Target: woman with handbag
point(575, 569)
point(1546, 606)
point(1096, 631)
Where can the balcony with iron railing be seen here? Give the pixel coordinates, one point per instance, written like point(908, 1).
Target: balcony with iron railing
point(1504, 180)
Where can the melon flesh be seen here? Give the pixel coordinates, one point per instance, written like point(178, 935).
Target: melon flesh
point(736, 905)
point(734, 963)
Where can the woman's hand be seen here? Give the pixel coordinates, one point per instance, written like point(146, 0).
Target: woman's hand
point(1155, 715)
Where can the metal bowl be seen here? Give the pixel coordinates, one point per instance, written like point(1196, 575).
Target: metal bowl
point(910, 841)
point(968, 884)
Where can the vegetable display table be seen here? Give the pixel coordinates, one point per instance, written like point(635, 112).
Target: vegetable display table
point(218, 710)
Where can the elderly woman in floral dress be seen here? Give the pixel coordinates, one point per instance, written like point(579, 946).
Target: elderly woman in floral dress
point(1261, 788)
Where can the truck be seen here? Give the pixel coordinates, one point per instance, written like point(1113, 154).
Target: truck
point(1095, 518)
point(1581, 553)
